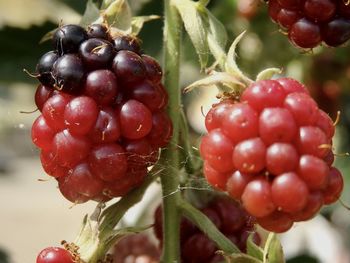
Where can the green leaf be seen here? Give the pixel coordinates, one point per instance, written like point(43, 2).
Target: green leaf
point(118, 14)
point(204, 2)
point(231, 65)
point(88, 239)
point(253, 249)
point(106, 3)
point(216, 79)
point(217, 39)
point(273, 252)
point(138, 22)
point(208, 227)
point(240, 258)
point(91, 14)
point(195, 27)
point(268, 73)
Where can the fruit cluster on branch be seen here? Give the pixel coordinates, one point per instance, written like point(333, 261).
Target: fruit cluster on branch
point(272, 151)
point(311, 22)
point(103, 113)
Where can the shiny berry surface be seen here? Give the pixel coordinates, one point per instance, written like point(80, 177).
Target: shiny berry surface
point(54, 255)
point(96, 53)
point(45, 66)
point(103, 111)
point(281, 150)
point(310, 23)
point(135, 119)
point(68, 38)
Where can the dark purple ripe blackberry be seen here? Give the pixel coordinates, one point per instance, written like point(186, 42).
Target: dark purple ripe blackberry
point(154, 71)
point(98, 31)
point(127, 43)
point(44, 68)
point(68, 72)
point(68, 38)
point(129, 67)
point(311, 22)
point(96, 53)
point(336, 32)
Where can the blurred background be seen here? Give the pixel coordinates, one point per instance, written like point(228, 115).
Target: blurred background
point(34, 215)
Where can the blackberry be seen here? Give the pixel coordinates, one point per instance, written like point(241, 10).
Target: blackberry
point(311, 22)
point(103, 116)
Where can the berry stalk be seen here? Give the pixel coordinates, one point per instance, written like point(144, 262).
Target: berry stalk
point(170, 179)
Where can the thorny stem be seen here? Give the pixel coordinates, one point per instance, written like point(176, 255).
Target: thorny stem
point(170, 179)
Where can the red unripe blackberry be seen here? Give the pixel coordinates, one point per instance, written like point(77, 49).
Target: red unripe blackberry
point(149, 94)
point(281, 158)
point(236, 183)
point(69, 193)
point(42, 94)
point(217, 149)
point(289, 192)
point(101, 85)
point(135, 119)
point(54, 255)
point(65, 143)
point(334, 188)
point(107, 127)
point(215, 178)
point(277, 125)
point(314, 172)
point(82, 181)
point(53, 111)
point(249, 156)
point(42, 134)
point(51, 166)
point(216, 114)
point(257, 198)
point(281, 153)
point(80, 115)
point(277, 222)
point(162, 130)
point(264, 94)
point(240, 122)
point(313, 205)
point(108, 162)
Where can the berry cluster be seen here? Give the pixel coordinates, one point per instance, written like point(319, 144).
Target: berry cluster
point(309, 22)
point(136, 248)
point(103, 118)
point(228, 217)
point(273, 152)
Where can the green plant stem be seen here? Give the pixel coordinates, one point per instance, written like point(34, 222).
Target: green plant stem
point(208, 227)
point(170, 157)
